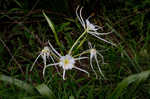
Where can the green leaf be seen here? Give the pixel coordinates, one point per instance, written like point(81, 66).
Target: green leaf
point(45, 91)
point(18, 3)
point(71, 97)
point(53, 29)
point(133, 62)
point(136, 78)
point(18, 83)
point(64, 27)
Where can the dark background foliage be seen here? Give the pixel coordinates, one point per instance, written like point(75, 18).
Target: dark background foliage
point(24, 32)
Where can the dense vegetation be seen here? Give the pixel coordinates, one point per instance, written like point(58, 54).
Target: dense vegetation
point(24, 32)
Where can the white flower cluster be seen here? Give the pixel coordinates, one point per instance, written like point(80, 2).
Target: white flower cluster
point(68, 61)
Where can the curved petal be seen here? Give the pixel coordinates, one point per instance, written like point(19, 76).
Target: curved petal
point(64, 71)
point(82, 18)
point(99, 67)
point(80, 58)
point(44, 59)
point(101, 57)
point(102, 39)
point(53, 49)
point(90, 45)
point(82, 70)
point(35, 61)
point(55, 65)
point(44, 71)
point(97, 33)
point(82, 23)
point(99, 27)
point(52, 64)
point(92, 66)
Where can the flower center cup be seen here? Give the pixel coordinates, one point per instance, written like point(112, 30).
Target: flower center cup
point(90, 26)
point(67, 62)
point(45, 50)
point(93, 51)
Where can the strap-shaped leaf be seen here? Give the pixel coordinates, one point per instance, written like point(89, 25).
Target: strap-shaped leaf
point(18, 83)
point(45, 91)
point(53, 29)
point(136, 78)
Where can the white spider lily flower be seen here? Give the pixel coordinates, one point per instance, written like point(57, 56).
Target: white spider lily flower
point(93, 54)
point(45, 53)
point(67, 62)
point(91, 28)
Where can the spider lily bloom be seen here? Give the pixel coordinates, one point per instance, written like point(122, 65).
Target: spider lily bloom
point(45, 53)
point(89, 27)
point(67, 62)
point(93, 54)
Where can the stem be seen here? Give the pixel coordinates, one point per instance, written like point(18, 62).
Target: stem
point(77, 41)
point(81, 43)
point(84, 52)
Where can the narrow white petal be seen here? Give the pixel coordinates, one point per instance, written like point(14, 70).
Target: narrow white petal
point(102, 39)
point(81, 70)
point(101, 57)
point(53, 49)
point(99, 27)
point(55, 65)
point(52, 58)
point(44, 59)
point(80, 58)
point(99, 67)
point(82, 18)
point(82, 23)
point(44, 71)
point(35, 61)
point(90, 45)
point(78, 15)
point(92, 66)
point(53, 54)
point(64, 71)
point(97, 33)
point(88, 17)
point(52, 65)
point(48, 66)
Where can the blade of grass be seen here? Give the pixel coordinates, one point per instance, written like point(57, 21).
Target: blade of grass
point(18, 3)
point(135, 65)
point(136, 78)
point(53, 29)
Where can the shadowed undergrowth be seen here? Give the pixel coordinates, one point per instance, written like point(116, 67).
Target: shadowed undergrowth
point(24, 32)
